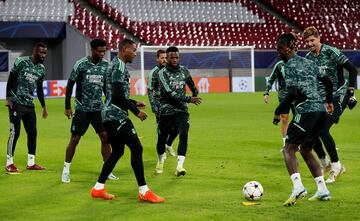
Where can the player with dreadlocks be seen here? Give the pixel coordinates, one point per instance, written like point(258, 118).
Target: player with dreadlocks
point(332, 62)
point(302, 78)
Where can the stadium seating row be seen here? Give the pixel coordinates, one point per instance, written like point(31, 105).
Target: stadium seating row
point(192, 32)
point(336, 20)
point(39, 10)
point(197, 22)
point(94, 27)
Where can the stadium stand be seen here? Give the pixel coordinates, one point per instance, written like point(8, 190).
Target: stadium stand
point(39, 10)
point(337, 20)
point(199, 23)
point(196, 22)
point(94, 27)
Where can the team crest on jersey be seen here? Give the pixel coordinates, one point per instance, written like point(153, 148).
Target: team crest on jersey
point(15, 114)
point(133, 130)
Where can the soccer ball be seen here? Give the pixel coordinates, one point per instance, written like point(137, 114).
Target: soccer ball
point(253, 191)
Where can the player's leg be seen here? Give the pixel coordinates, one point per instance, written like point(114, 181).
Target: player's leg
point(15, 120)
point(296, 133)
point(133, 142)
point(98, 126)
point(318, 123)
point(298, 191)
point(164, 128)
point(29, 120)
point(284, 126)
point(173, 134)
point(118, 146)
point(320, 152)
point(314, 167)
point(336, 168)
point(79, 126)
point(285, 123)
point(182, 123)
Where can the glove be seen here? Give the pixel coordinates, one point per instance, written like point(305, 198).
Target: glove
point(350, 92)
point(276, 120)
point(352, 102)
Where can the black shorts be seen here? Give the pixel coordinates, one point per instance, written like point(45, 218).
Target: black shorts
point(179, 122)
point(120, 131)
point(305, 127)
point(287, 109)
point(81, 121)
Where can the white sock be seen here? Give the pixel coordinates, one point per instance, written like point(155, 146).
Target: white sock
point(325, 161)
point(296, 180)
point(143, 189)
point(9, 160)
point(161, 157)
point(31, 160)
point(321, 186)
point(99, 186)
point(66, 167)
point(336, 166)
point(283, 139)
point(181, 160)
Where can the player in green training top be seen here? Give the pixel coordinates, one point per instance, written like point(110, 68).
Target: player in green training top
point(119, 127)
point(173, 108)
point(332, 62)
point(302, 78)
point(27, 74)
point(278, 75)
point(89, 76)
point(154, 96)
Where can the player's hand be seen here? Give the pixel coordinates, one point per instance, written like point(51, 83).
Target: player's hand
point(44, 113)
point(68, 113)
point(276, 119)
point(142, 115)
point(329, 107)
point(140, 104)
point(196, 100)
point(266, 98)
point(350, 91)
point(9, 103)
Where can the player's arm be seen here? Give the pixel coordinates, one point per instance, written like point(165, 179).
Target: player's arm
point(138, 104)
point(290, 97)
point(329, 92)
point(69, 89)
point(10, 87)
point(152, 83)
point(270, 81)
point(40, 94)
point(12, 82)
point(190, 83)
point(119, 99)
point(352, 76)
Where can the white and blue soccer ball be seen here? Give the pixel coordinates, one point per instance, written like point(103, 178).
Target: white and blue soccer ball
point(253, 191)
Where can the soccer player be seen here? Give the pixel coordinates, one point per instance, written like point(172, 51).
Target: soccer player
point(332, 62)
point(119, 127)
point(302, 78)
point(154, 96)
point(27, 74)
point(89, 76)
point(173, 108)
point(278, 74)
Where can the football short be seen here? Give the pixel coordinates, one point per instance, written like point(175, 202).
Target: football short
point(81, 121)
point(120, 131)
point(305, 127)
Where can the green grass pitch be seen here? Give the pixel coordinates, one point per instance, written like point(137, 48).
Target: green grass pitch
point(231, 141)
